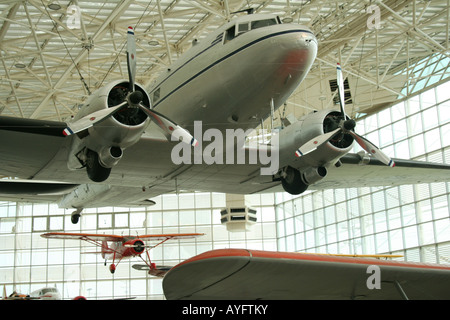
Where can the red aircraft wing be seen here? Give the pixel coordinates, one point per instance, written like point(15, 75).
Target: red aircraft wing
point(243, 274)
point(116, 238)
point(83, 236)
point(168, 236)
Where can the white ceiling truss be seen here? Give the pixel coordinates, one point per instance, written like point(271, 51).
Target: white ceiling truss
point(54, 53)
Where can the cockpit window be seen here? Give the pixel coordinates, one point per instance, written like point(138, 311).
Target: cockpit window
point(241, 28)
point(230, 34)
point(263, 23)
point(47, 290)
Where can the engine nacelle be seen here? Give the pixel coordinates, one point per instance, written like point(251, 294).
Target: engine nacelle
point(108, 138)
point(297, 174)
point(312, 175)
point(125, 127)
point(110, 156)
point(133, 247)
point(307, 128)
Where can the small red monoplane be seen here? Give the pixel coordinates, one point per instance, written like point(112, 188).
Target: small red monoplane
point(123, 246)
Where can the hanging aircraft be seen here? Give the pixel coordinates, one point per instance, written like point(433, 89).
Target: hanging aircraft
point(46, 293)
point(123, 247)
point(241, 274)
point(122, 148)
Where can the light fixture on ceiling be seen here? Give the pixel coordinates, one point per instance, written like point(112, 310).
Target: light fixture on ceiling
point(54, 6)
point(153, 42)
point(20, 65)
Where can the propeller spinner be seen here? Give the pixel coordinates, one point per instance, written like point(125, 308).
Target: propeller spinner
point(346, 126)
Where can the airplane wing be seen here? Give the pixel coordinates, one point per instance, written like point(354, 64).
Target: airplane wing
point(33, 191)
point(356, 171)
point(37, 151)
point(360, 171)
point(21, 297)
point(168, 236)
point(82, 236)
point(116, 238)
point(240, 274)
point(28, 145)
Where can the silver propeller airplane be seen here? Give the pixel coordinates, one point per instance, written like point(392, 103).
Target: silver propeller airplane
point(123, 147)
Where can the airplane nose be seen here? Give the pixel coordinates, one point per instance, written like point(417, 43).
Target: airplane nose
point(298, 51)
point(309, 40)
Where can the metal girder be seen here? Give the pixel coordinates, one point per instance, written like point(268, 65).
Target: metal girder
point(56, 56)
point(99, 33)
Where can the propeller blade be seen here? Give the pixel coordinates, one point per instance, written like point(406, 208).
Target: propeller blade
point(340, 83)
point(169, 127)
point(372, 149)
point(316, 142)
point(135, 98)
point(131, 57)
point(91, 119)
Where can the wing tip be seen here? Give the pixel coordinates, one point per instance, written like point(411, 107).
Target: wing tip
point(67, 131)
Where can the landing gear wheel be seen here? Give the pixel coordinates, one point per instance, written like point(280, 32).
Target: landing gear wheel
point(76, 215)
point(75, 218)
point(95, 171)
point(112, 268)
point(292, 183)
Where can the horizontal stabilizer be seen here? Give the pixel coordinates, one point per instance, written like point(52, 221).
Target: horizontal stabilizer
point(158, 271)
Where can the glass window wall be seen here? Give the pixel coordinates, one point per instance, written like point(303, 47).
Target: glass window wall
point(29, 262)
point(412, 220)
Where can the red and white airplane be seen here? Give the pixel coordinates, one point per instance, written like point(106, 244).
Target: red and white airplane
point(123, 247)
point(46, 293)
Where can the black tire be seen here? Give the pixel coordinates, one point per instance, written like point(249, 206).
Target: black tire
point(75, 218)
point(292, 183)
point(95, 171)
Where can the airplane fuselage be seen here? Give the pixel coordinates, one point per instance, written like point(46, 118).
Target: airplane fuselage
point(233, 79)
point(47, 293)
point(230, 78)
point(123, 250)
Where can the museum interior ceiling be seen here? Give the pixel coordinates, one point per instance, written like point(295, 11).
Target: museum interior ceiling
point(55, 53)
